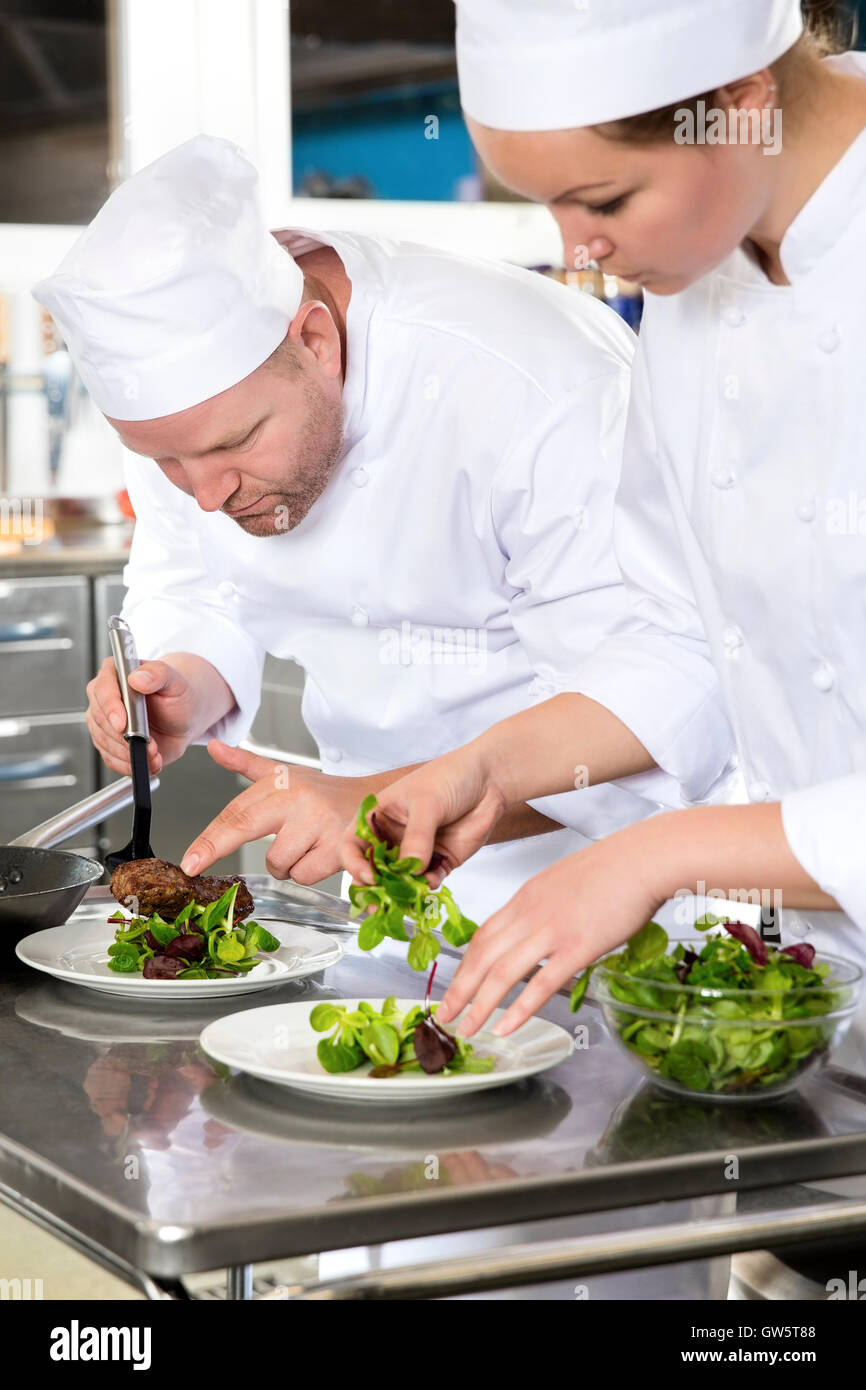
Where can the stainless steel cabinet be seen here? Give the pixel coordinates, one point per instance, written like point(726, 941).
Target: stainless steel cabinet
point(53, 638)
point(109, 592)
point(46, 758)
point(278, 723)
point(46, 763)
point(44, 644)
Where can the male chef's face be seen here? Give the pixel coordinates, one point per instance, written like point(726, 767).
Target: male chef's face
point(263, 451)
point(662, 214)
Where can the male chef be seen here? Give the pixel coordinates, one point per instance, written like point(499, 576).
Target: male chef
point(392, 465)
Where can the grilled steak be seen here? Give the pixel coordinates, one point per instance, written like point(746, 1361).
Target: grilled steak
point(152, 885)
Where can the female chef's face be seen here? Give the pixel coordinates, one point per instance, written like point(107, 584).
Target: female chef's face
point(263, 451)
point(661, 214)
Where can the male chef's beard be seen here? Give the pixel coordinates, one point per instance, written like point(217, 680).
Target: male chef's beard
point(317, 456)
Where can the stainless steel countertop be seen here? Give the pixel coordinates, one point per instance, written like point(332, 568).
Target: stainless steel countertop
point(89, 550)
point(231, 1171)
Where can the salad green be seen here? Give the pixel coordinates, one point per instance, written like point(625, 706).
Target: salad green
point(401, 891)
point(202, 943)
point(737, 1015)
point(394, 1042)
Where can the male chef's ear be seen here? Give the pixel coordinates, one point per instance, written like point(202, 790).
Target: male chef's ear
point(313, 328)
point(751, 93)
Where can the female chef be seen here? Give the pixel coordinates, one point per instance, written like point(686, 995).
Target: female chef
point(712, 150)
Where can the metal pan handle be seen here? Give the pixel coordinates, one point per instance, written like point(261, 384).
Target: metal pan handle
point(125, 662)
point(93, 809)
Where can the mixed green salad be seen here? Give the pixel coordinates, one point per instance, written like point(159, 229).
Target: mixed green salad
point(393, 1041)
point(401, 891)
point(202, 943)
point(738, 1015)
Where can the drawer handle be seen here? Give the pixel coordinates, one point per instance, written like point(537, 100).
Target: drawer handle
point(32, 767)
point(37, 644)
point(41, 784)
point(28, 630)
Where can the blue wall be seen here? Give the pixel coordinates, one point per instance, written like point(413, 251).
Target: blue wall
point(381, 136)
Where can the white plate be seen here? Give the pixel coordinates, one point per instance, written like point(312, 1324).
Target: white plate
point(277, 1044)
point(78, 953)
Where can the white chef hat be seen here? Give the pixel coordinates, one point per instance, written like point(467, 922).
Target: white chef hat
point(559, 64)
point(177, 290)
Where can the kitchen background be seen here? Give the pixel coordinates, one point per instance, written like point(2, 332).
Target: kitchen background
point(351, 113)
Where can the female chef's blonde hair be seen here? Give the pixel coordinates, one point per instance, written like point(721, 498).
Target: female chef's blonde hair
point(830, 27)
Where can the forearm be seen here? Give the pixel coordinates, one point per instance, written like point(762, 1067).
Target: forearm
point(519, 822)
point(741, 851)
point(214, 696)
point(567, 742)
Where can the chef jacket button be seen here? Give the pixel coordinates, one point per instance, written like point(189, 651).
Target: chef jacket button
point(360, 477)
point(722, 477)
point(226, 589)
point(733, 316)
point(732, 638)
point(332, 755)
point(829, 340)
point(797, 927)
point(824, 677)
point(360, 616)
point(806, 510)
point(759, 791)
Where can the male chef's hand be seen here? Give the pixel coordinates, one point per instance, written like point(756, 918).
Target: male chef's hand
point(571, 913)
point(305, 809)
point(172, 712)
point(442, 812)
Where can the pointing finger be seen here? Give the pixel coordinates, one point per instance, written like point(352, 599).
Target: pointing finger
point(238, 824)
point(250, 765)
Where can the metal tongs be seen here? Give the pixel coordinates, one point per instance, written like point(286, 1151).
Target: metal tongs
point(137, 736)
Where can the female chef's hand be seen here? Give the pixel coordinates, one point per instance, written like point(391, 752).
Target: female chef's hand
point(442, 812)
point(568, 915)
point(305, 809)
point(172, 709)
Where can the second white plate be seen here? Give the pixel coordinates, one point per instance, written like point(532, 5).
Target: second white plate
point(78, 953)
point(277, 1043)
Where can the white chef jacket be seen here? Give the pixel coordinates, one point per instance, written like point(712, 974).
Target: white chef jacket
point(741, 531)
point(484, 409)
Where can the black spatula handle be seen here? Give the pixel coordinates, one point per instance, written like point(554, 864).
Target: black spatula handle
point(137, 735)
point(141, 815)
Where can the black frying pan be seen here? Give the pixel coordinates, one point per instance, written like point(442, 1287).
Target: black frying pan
point(41, 886)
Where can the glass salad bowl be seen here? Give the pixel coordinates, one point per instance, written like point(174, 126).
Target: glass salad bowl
point(703, 1041)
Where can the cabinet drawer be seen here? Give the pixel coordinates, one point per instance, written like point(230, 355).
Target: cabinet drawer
point(46, 764)
point(278, 722)
point(109, 591)
point(44, 645)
